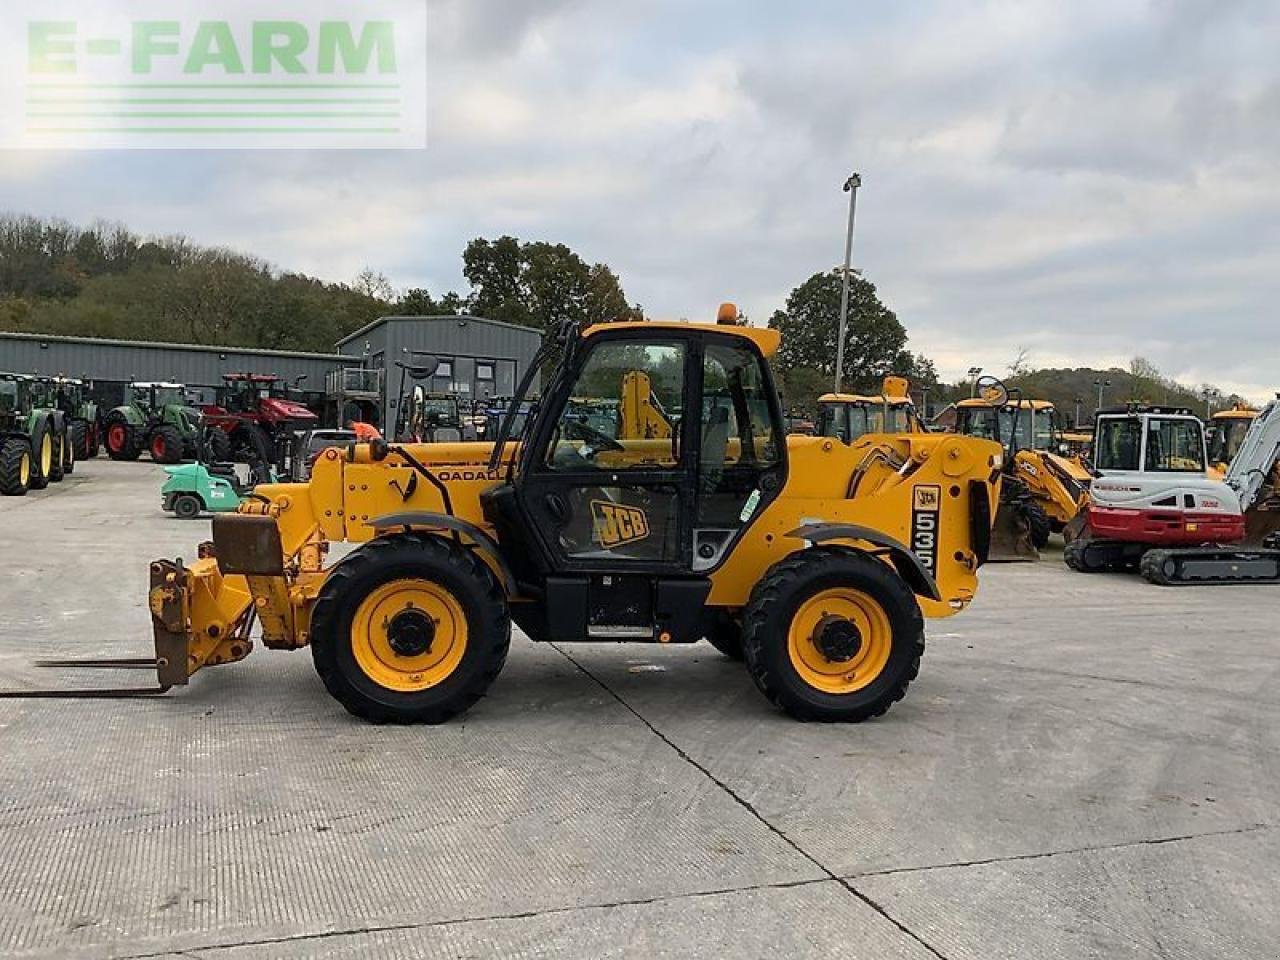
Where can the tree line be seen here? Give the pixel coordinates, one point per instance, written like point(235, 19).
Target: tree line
point(106, 281)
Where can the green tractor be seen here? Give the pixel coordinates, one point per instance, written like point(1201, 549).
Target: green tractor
point(154, 417)
point(81, 411)
point(45, 400)
point(26, 438)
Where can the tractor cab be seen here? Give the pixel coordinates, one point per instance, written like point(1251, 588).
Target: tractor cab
point(849, 417)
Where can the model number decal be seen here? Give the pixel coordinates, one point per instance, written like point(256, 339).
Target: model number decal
point(926, 504)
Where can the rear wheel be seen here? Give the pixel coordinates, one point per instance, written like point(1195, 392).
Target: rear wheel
point(58, 462)
point(166, 444)
point(15, 467)
point(833, 635)
point(121, 439)
point(219, 445)
point(187, 506)
point(79, 442)
point(42, 458)
point(410, 629)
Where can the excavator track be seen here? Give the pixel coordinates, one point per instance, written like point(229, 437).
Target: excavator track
point(1210, 565)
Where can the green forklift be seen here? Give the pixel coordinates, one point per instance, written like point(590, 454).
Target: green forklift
point(26, 438)
point(154, 417)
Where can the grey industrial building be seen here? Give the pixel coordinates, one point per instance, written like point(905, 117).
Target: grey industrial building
point(478, 359)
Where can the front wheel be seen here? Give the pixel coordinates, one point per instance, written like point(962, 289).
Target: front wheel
point(15, 467)
point(410, 629)
point(833, 635)
point(121, 439)
point(166, 444)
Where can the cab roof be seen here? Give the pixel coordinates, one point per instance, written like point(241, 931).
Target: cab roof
point(970, 403)
point(148, 385)
point(1236, 413)
point(864, 399)
point(766, 340)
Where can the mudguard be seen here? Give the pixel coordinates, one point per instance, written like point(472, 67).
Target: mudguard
point(482, 540)
point(909, 566)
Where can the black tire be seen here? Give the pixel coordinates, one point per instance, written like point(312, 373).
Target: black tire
point(12, 453)
point(79, 442)
point(39, 478)
point(219, 445)
point(250, 444)
point(165, 444)
point(1038, 523)
point(775, 602)
point(442, 565)
point(1076, 558)
point(187, 506)
point(120, 438)
point(725, 635)
point(59, 467)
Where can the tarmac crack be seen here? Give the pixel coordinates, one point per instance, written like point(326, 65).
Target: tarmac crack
point(746, 805)
point(203, 952)
point(1044, 855)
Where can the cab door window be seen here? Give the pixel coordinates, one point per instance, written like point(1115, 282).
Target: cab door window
point(624, 411)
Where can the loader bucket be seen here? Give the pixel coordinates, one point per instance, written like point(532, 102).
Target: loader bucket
point(1259, 524)
point(1011, 539)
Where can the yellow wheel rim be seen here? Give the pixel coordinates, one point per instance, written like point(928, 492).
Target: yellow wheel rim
point(46, 455)
point(24, 469)
point(394, 645)
point(829, 656)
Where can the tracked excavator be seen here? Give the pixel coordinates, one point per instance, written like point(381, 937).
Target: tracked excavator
point(1155, 508)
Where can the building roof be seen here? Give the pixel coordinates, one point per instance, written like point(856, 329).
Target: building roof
point(162, 345)
point(357, 334)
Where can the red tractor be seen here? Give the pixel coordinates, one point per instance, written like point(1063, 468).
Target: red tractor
point(254, 420)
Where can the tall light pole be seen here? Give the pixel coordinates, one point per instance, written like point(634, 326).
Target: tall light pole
point(1101, 385)
point(851, 188)
point(974, 374)
point(1079, 400)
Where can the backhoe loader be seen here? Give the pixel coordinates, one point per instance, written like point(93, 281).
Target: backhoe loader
point(850, 416)
point(1044, 487)
point(828, 556)
point(1227, 429)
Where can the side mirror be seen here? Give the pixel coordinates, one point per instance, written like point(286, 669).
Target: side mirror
point(992, 390)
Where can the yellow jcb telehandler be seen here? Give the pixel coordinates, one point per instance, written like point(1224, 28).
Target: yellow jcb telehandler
point(821, 558)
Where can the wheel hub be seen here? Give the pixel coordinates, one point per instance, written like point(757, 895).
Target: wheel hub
point(837, 639)
point(410, 633)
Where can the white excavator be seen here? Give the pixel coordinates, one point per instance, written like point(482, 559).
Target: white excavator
point(1153, 507)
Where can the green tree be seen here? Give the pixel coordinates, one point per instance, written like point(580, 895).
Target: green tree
point(541, 284)
point(875, 342)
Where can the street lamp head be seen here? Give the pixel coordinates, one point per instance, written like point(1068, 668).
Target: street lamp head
point(974, 372)
point(853, 183)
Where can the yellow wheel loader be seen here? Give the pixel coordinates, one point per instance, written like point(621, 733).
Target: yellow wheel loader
point(1044, 486)
point(825, 557)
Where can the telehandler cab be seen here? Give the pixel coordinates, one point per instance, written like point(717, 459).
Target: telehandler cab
point(827, 556)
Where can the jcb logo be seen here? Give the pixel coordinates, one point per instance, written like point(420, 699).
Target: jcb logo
point(928, 498)
point(926, 506)
point(616, 524)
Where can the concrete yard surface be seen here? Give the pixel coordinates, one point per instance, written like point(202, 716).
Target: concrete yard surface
point(1088, 766)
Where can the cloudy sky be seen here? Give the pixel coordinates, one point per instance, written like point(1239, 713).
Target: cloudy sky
point(1089, 180)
